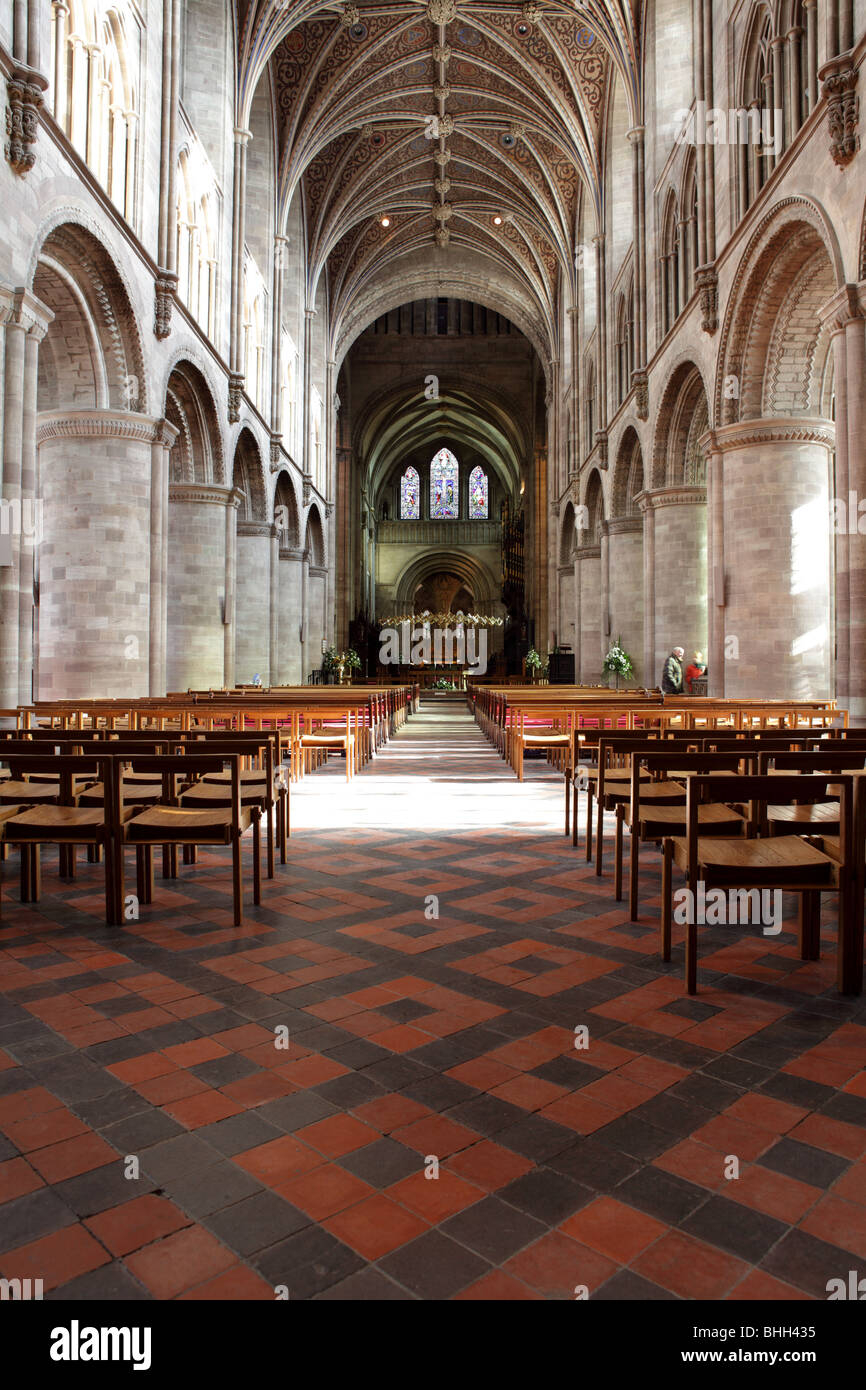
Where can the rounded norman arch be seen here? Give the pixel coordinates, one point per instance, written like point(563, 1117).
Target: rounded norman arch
point(197, 455)
point(774, 354)
point(627, 475)
point(472, 572)
point(314, 537)
point(91, 356)
point(248, 478)
point(681, 420)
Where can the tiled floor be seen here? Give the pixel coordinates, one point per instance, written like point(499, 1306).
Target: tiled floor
point(427, 954)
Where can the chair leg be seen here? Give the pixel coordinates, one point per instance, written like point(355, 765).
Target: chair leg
point(633, 872)
point(667, 860)
point(617, 858)
point(272, 815)
point(588, 824)
point(574, 813)
point(809, 925)
point(237, 882)
point(284, 822)
point(692, 954)
point(257, 855)
point(599, 834)
point(35, 873)
point(567, 801)
point(849, 949)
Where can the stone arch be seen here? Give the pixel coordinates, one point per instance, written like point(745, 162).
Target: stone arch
point(196, 456)
point(91, 357)
point(471, 571)
point(314, 537)
point(567, 536)
point(593, 499)
point(682, 419)
point(287, 522)
point(627, 476)
point(774, 352)
point(248, 478)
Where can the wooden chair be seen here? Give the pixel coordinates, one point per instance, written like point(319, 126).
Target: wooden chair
point(335, 734)
point(789, 863)
point(258, 785)
point(62, 822)
point(649, 820)
point(171, 824)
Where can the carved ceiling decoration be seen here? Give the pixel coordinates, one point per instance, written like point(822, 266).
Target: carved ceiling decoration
point(441, 116)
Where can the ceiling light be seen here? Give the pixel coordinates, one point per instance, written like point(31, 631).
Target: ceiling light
point(384, 221)
point(497, 221)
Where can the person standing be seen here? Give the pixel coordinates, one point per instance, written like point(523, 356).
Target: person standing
point(697, 667)
point(672, 676)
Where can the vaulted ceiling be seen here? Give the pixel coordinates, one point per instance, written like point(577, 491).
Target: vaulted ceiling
point(442, 117)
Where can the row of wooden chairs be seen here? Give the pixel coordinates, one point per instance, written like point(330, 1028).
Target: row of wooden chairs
point(112, 794)
point(779, 811)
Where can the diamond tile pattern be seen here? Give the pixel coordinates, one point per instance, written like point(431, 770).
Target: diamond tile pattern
point(529, 1104)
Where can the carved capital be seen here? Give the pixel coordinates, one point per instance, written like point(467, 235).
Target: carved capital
point(308, 489)
point(839, 79)
point(165, 290)
point(707, 282)
point(601, 445)
point(276, 452)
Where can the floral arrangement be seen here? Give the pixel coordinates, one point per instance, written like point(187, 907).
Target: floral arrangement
point(340, 662)
point(533, 660)
point(618, 662)
point(442, 619)
point(443, 684)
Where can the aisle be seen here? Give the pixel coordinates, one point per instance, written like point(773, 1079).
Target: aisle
point(437, 773)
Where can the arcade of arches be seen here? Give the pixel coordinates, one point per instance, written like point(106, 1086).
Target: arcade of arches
point(242, 319)
point(319, 313)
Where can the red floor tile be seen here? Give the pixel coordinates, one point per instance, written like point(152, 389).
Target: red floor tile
point(338, 1135)
point(557, 1266)
point(324, 1191)
point(435, 1198)
point(376, 1226)
point(179, 1262)
point(55, 1259)
point(614, 1229)
point(72, 1157)
point(134, 1224)
point(690, 1268)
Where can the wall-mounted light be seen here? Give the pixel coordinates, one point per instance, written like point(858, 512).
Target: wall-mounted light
point(497, 221)
point(522, 487)
point(384, 221)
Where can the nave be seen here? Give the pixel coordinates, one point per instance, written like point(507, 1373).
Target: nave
point(436, 948)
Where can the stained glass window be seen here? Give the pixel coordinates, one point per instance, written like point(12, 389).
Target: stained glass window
point(478, 494)
point(410, 495)
point(444, 499)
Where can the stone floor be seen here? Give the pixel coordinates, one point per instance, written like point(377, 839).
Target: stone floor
point(428, 952)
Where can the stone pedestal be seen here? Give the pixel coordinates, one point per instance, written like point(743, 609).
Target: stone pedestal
point(589, 588)
point(625, 588)
point(288, 646)
point(196, 585)
point(775, 557)
point(94, 480)
point(675, 574)
point(252, 604)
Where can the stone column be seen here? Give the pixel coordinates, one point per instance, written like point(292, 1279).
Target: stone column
point(230, 600)
point(236, 335)
point(715, 569)
point(855, 354)
point(197, 529)
point(306, 406)
point(24, 321)
point(811, 11)
point(566, 627)
point(290, 617)
point(306, 664)
point(675, 574)
point(273, 606)
point(589, 586)
point(794, 80)
point(316, 617)
point(166, 280)
point(777, 563)
point(601, 333)
point(625, 587)
point(636, 139)
point(164, 438)
point(836, 315)
point(95, 478)
point(253, 600)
